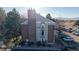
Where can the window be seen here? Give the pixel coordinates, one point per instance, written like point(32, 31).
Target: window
point(42, 32)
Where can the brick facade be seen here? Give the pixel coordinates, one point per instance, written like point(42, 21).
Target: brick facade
point(51, 34)
point(32, 25)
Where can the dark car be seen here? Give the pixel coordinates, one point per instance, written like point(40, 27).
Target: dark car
point(67, 38)
point(67, 30)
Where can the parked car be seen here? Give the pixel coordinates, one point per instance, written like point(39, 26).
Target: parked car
point(76, 33)
point(70, 30)
point(67, 48)
point(65, 29)
point(67, 38)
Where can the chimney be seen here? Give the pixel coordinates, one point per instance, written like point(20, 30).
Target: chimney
point(32, 24)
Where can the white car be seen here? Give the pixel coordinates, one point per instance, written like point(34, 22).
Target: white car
point(76, 33)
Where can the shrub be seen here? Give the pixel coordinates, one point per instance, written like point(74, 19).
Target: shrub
point(38, 43)
point(30, 43)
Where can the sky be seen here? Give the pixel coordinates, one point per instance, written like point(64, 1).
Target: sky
point(69, 12)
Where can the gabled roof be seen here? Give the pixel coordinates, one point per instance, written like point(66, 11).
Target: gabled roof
point(25, 22)
point(40, 18)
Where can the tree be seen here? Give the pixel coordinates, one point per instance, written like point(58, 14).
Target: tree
point(77, 23)
point(12, 24)
point(2, 15)
point(48, 16)
point(2, 19)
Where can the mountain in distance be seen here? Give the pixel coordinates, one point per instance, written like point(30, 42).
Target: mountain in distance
point(61, 18)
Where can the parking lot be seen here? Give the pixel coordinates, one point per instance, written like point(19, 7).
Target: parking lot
point(76, 38)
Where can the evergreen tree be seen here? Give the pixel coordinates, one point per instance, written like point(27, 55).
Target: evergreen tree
point(2, 19)
point(12, 24)
point(48, 16)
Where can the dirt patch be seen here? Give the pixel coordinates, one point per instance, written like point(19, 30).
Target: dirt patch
point(69, 24)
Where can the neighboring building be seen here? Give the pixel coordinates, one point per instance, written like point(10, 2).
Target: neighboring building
point(38, 28)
